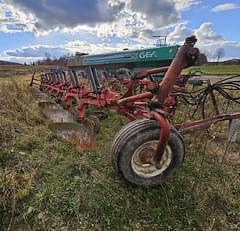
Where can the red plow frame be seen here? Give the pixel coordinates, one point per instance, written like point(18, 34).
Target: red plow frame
point(148, 150)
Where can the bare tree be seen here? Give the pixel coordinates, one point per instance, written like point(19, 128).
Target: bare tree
point(220, 53)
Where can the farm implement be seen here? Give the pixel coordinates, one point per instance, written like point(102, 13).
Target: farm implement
point(149, 149)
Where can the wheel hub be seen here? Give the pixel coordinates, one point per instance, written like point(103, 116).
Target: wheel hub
point(143, 162)
point(147, 155)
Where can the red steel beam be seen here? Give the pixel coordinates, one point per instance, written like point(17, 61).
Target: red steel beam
point(170, 78)
point(146, 73)
point(191, 126)
point(176, 67)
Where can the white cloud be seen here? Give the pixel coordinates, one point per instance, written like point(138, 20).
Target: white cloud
point(38, 51)
point(225, 6)
point(83, 46)
point(51, 14)
point(186, 4)
point(12, 20)
point(106, 17)
point(157, 12)
point(208, 40)
point(44, 16)
point(43, 51)
point(131, 22)
point(18, 59)
point(180, 32)
point(206, 34)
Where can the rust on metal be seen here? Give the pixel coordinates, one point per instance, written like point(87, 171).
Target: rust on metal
point(77, 134)
point(147, 155)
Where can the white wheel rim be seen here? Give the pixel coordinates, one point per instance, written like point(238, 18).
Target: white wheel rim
point(148, 170)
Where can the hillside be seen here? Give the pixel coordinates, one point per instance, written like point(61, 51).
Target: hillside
point(226, 62)
point(232, 62)
point(8, 63)
point(214, 69)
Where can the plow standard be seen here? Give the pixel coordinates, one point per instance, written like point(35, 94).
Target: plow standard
point(149, 149)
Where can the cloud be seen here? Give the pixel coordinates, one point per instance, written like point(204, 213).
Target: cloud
point(38, 51)
point(231, 49)
point(33, 53)
point(43, 51)
point(12, 20)
point(179, 33)
point(184, 5)
point(44, 16)
point(158, 12)
point(151, 33)
point(132, 23)
point(98, 48)
point(204, 33)
point(225, 7)
point(208, 40)
point(49, 15)
point(18, 59)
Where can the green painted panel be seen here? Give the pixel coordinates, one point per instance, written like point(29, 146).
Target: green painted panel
point(134, 56)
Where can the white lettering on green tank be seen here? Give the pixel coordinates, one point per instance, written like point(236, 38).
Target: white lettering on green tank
point(147, 55)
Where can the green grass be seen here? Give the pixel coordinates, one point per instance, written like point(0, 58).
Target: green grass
point(45, 184)
point(216, 69)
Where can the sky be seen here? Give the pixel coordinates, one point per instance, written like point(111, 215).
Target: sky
point(32, 30)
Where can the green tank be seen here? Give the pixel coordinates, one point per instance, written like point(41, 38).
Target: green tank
point(134, 60)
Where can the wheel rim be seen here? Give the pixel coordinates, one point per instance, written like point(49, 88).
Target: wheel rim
point(143, 163)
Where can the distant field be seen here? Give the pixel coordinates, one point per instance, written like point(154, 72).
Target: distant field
point(216, 69)
point(18, 71)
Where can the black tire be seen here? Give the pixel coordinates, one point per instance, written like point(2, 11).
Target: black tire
point(122, 135)
point(139, 134)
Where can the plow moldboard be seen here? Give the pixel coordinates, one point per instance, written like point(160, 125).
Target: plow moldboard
point(78, 134)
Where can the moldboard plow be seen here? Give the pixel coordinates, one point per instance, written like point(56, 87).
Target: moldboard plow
point(149, 149)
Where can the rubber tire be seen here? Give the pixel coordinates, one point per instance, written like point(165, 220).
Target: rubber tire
point(130, 137)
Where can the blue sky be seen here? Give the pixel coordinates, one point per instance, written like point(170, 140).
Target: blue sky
point(31, 30)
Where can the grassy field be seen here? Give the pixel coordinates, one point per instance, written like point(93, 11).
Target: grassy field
point(20, 71)
point(216, 69)
point(45, 184)
point(8, 72)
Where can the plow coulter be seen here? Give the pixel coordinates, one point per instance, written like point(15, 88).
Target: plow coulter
point(149, 149)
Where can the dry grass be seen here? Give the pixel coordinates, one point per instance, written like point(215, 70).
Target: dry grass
point(9, 72)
